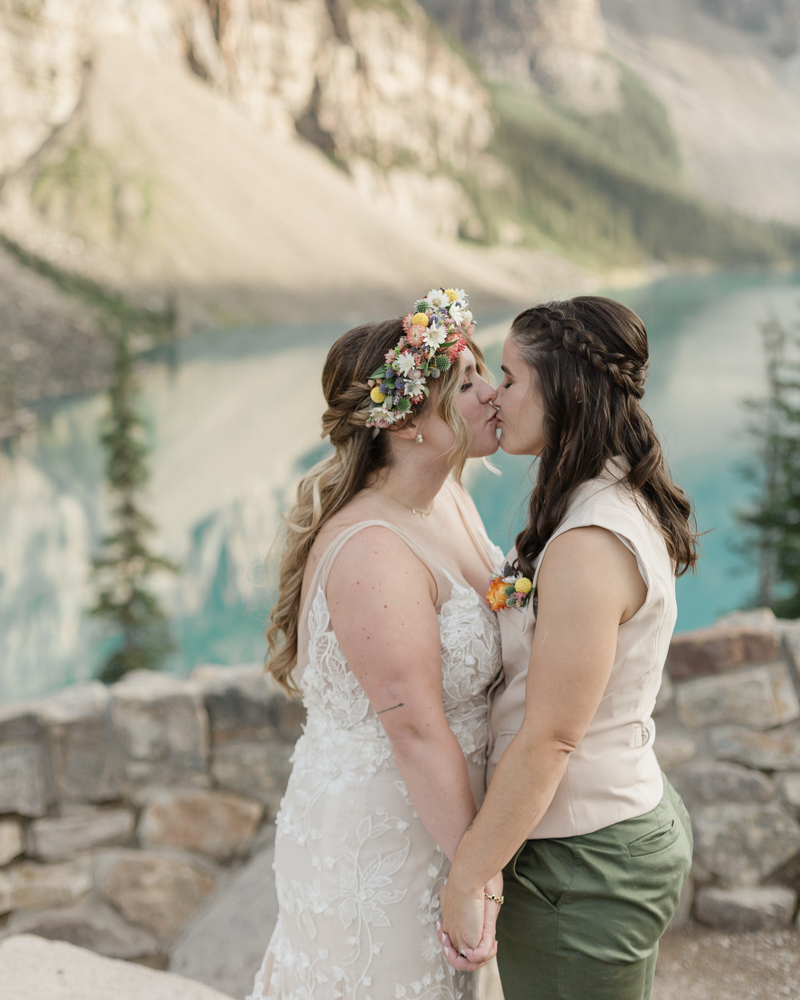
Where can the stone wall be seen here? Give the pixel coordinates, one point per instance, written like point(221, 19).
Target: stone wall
point(121, 808)
point(729, 739)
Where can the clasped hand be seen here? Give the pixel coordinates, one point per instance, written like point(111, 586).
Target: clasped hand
point(467, 928)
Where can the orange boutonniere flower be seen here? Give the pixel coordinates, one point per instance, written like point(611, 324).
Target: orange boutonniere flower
point(496, 595)
point(509, 590)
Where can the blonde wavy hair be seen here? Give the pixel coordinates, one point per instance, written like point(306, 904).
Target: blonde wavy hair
point(358, 454)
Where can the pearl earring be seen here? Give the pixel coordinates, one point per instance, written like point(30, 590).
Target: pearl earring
point(419, 439)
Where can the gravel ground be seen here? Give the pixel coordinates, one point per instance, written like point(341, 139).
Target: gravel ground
point(698, 964)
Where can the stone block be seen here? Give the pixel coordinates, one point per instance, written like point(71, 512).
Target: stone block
point(258, 770)
point(33, 969)
point(85, 757)
point(59, 837)
point(291, 718)
point(217, 824)
point(162, 727)
point(775, 750)
point(245, 704)
point(761, 619)
point(31, 886)
point(705, 781)
point(672, 750)
point(11, 841)
point(91, 924)
point(160, 892)
point(744, 843)
point(19, 724)
point(24, 767)
point(789, 785)
point(226, 941)
point(721, 648)
point(239, 702)
point(23, 784)
point(757, 697)
point(758, 908)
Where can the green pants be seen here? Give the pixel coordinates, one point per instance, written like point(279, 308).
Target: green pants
point(583, 915)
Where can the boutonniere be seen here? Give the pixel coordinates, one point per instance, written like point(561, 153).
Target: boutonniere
point(509, 590)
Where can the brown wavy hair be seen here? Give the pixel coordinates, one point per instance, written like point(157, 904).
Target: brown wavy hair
point(590, 357)
point(359, 452)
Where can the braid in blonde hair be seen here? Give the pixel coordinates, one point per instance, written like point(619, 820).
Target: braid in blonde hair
point(359, 452)
point(331, 483)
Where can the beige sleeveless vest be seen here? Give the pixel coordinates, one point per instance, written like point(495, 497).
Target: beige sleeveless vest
point(613, 773)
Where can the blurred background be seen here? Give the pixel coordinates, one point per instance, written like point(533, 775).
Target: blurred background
point(198, 196)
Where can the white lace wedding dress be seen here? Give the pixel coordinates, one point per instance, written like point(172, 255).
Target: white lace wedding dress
point(357, 873)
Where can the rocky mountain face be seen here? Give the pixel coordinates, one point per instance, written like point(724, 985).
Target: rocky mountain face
point(728, 72)
point(372, 84)
point(558, 45)
point(193, 146)
point(776, 22)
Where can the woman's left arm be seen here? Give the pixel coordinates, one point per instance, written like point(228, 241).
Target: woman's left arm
point(588, 584)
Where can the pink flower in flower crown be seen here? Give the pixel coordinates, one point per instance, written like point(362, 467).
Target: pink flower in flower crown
point(417, 399)
point(415, 335)
point(455, 349)
point(389, 356)
point(407, 322)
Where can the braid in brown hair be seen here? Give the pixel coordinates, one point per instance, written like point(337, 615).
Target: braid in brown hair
point(590, 356)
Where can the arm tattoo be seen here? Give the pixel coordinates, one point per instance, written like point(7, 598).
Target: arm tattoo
point(390, 709)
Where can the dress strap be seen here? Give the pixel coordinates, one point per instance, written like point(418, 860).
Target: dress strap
point(443, 580)
point(322, 572)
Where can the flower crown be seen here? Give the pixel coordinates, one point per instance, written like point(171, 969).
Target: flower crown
point(433, 337)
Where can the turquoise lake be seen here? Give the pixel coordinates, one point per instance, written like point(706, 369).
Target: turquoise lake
point(230, 433)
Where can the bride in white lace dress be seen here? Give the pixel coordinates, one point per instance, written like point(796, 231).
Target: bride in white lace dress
point(382, 623)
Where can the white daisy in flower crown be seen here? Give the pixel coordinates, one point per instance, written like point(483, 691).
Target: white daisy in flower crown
point(437, 298)
point(433, 337)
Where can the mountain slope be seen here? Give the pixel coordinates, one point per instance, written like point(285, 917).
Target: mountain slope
point(733, 94)
point(241, 224)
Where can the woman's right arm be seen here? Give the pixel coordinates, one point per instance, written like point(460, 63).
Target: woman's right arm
point(382, 604)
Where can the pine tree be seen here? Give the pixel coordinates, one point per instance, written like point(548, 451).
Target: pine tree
point(123, 570)
point(772, 524)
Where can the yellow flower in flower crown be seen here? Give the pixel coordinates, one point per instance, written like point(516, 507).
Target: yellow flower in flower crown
point(377, 396)
point(523, 585)
point(420, 319)
point(451, 293)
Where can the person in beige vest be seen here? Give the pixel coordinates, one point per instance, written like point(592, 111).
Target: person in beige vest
point(586, 606)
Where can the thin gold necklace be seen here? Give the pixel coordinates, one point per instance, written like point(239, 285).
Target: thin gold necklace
point(422, 513)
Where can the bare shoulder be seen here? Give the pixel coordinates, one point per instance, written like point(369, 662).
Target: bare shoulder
point(376, 563)
point(590, 543)
point(591, 566)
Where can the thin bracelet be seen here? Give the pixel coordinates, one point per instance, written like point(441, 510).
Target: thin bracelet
point(495, 899)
